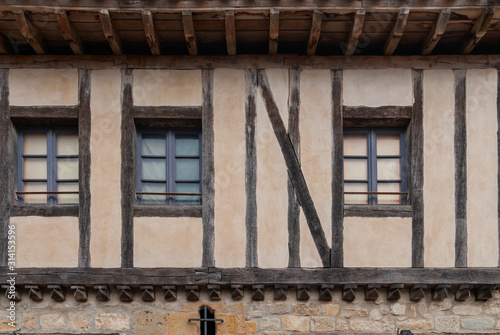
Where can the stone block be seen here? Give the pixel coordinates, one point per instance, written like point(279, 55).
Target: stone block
point(366, 326)
point(79, 321)
point(306, 309)
point(148, 323)
point(29, 322)
point(278, 308)
point(398, 309)
point(353, 312)
point(296, 323)
point(448, 324)
point(270, 323)
point(467, 310)
point(342, 325)
point(52, 322)
point(416, 324)
point(4, 325)
point(331, 309)
point(322, 324)
point(251, 328)
point(112, 321)
point(442, 306)
point(178, 324)
point(477, 324)
point(375, 315)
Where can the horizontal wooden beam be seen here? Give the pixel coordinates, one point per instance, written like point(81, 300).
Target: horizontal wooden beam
point(244, 4)
point(167, 211)
point(43, 112)
point(382, 112)
point(249, 276)
point(167, 112)
point(44, 210)
point(250, 61)
point(378, 211)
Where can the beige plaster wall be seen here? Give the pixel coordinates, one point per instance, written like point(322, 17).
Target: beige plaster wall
point(482, 168)
point(105, 139)
point(229, 160)
point(46, 241)
point(168, 242)
point(377, 242)
point(272, 178)
point(439, 168)
point(29, 87)
point(167, 88)
point(316, 156)
point(375, 88)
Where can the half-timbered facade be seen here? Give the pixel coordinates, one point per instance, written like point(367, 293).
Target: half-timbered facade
point(296, 167)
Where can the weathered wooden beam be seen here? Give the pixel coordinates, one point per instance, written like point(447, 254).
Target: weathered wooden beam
point(280, 292)
point(49, 112)
point(478, 31)
point(371, 292)
point(150, 31)
point(304, 292)
point(258, 292)
point(57, 292)
point(35, 292)
point(167, 211)
point(325, 292)
point(237, 292)
point(230, 32)
point(192, 292)
point(214, 292)
point(317, 18)
point(7, 169)
point(251, 168)
point(29, 31)
point(69, 32)
point(393, 292)
point(274, 30)
point(189, 32)
point(417, 292)
point(437, 31)
point(62, 210)
point(167, 112)
point(402, 211)
point(463, 292)
point(110, 32)
point(103, 293)
point(169, 292)
point(356, 31)
point(483, 293)
point(348, 292)
point(125, 293)
point(293, 203)
point(397, 32)
point(80, 293)
point(440, 292)
point(294, 170)
point(148, 293)
point(382, 112)
point(12, 293)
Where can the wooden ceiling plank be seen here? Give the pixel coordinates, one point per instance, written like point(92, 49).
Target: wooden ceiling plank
point(356, 31)
point(478, 31)
point(397, 32)
point(110, 32)
point(317, 19)
point(29, 31)
point(150, 31)
point(437, 31)
point(274, 30)
point(68, 31)
point(189, 32)
point(230, 33)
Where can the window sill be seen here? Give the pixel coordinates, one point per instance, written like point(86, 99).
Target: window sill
point(45, 210)
point(167, 211)
point(403, 211)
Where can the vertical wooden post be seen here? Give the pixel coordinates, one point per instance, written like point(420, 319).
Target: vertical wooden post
point(6, 166)
point(338, 172)
point(498, 159)
point(208, 169)
point(84, 167)
point(251, 168)
point(417, 171)
point(127, 170)
point(460, 170)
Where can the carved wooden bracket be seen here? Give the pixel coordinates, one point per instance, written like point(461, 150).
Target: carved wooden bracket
point(258, 292)
point(463, 292)
point(16, 294)
point(35, 292)
point(417, 292)
point(125, 293)
point(237, 292)
point(371, 292)
point(80, 293)
point(440, 292)
point(192, 292)
point(169, 293)
point(393, 292)
point(484, 293)
point(214, 292)
point(280, 292)
point(103, 293)
point(348, 292)
point(57, 292)
point(325, 292)
point(303, 292)
point(148, 293)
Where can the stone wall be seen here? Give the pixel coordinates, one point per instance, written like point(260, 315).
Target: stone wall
point(268, 317)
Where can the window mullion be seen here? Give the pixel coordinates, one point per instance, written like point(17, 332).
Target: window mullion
point(170, 166)
point(372, 154)
point(51, 166)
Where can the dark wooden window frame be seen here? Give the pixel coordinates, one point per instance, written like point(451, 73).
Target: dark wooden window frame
point(170, 157)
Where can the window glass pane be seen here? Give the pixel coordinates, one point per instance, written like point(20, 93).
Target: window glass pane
point(154, 169)
point(34, 198)
point(187, 145)
point(187, 169)
point(390, 198)
point(355, 145)
point(388, 145)
point(153, 199)
point(67, 168)
point(67, 144)
point(355, 199)
point(67, 198)
point(388, 169)
point(187, 199)
point(355, 169)
point(35, 144)
point(154, 145)
point(35, 168)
